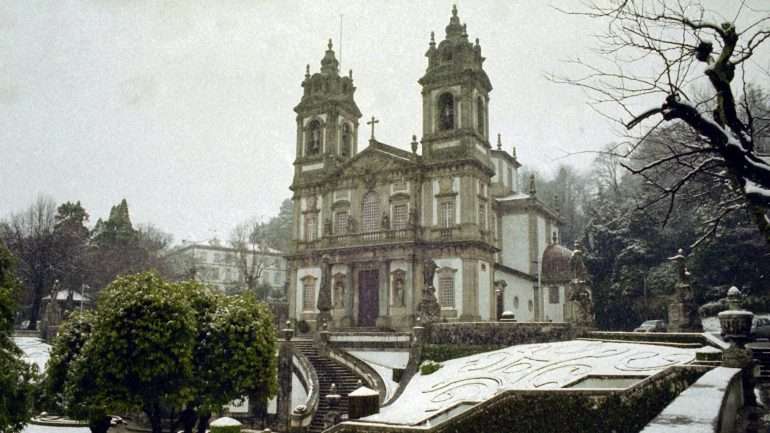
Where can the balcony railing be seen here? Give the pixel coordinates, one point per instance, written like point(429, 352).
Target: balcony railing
point(380, 237)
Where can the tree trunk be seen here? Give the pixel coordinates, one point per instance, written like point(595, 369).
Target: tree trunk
point(34, 314)
point(203, 421)
point(188, 417)
point(154, 415)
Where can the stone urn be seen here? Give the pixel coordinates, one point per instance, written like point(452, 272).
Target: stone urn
point(735, 322)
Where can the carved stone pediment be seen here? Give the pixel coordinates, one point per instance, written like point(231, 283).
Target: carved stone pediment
point(373, 163)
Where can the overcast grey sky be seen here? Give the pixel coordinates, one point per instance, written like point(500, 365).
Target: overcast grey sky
point(185, 107)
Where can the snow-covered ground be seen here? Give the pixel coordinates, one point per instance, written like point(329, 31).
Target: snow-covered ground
point(35, 350)
point(533, 366)
point(34, 428)
point(383, 362)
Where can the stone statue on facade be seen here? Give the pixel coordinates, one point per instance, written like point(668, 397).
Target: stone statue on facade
point(428, 309)
point(339, 293)
point(579, 298)
point(351, 228)
point(385, 221)
point(324, 294)
point(398, 291)
point(683, 311)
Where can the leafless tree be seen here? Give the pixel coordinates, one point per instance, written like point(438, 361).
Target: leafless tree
point(29, 236)
point(651, 52)
point(247, 239)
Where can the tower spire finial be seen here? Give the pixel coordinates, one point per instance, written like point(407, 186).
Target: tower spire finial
point(307, 70)
point(330, 43)
point(499, 142)
point(454, 10)
point(532, 189)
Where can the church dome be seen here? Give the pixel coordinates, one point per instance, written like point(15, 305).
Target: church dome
point(556, 267)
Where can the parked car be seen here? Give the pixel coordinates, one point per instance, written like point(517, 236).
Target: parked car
point(760, 328)
point(652, 326)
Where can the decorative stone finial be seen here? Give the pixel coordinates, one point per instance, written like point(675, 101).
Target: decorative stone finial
point(513, 152)
point(532, 189)
point(556, 204)
point(330, 43)
point(554, 239)
point(432, 38)
point(350, 74)
point(307, 70)
point(454, 10)
point(477, 42)
point(414, 143)
point(499, 142)
point(734, 298)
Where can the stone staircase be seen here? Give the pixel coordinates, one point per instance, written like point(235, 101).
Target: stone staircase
point(329, 372)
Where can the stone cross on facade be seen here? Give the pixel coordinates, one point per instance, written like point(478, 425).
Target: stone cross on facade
point(373, 122)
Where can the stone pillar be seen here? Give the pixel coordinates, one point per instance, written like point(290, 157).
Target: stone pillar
point(470, 291)
point(383, 319)
point(324, 304)
point(285, 367)
point(347, 319)
point(683, 311)
point(736, 329)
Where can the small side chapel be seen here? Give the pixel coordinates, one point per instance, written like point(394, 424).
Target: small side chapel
point(369, 222)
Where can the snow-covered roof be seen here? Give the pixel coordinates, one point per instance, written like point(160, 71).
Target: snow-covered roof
point(533, 366)
point(513, 197)
point(62, 295)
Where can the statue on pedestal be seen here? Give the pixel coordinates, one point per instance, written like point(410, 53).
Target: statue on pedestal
point(429, 309)
point(579, 298)
point(683, 311)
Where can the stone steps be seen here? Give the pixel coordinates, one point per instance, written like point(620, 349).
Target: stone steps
point(329, 372)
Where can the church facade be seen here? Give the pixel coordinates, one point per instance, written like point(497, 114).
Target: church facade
point(371, 218)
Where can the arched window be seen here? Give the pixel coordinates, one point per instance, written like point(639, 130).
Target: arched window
point(480, 115)
point(346, 140)
point(371, 221)
point(446, 112)
point(313, 139)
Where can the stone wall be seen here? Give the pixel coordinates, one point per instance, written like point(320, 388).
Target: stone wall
point(501, 334)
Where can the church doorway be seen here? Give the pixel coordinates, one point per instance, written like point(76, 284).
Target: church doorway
point(368, 297)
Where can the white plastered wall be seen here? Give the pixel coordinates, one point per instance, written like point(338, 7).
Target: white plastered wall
point(520, 288)
point(553, 312)
point(515, 242)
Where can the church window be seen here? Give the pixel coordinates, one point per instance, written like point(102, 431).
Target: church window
point(340, 223)
point(446, 213)
point(446, 112)
point(372, 220)
point(313, 141)
point(346, 140)
point(400, 216)
point(483, 216)
point(480, 115)
point(446, 290)
point(277, 277)
point(553, 294)
point(311, 227)
point(531, 305)
point(308, 293)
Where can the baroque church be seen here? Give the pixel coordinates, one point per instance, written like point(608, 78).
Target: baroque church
point(367, 221)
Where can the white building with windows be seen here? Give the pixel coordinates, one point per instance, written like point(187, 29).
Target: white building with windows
point(222, 267)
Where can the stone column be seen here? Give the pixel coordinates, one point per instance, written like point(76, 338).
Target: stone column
point(383, 319)
point(285, 366)
point(347, 319)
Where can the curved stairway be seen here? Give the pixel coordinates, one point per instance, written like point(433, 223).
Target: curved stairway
point(329, 372)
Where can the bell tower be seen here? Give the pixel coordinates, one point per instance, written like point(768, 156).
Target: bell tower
point(455, 97)
point(327, 120)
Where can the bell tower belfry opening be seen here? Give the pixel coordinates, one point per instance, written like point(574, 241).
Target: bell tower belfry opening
point(327, 119)
point(455, 94)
